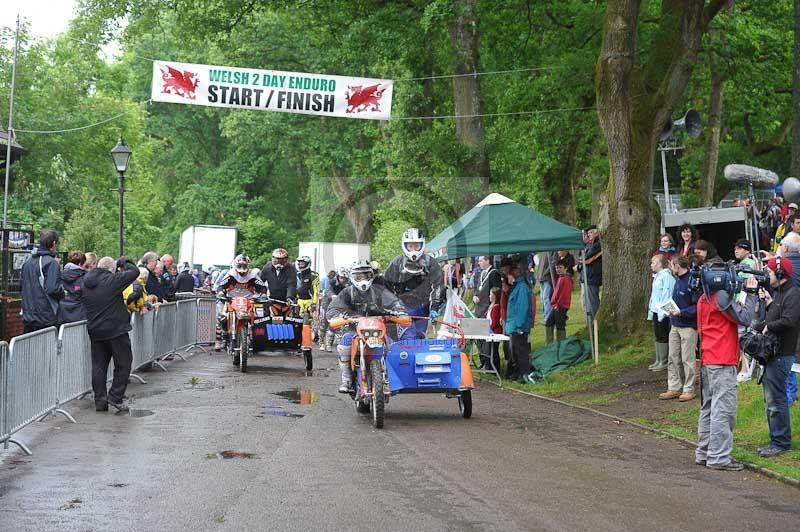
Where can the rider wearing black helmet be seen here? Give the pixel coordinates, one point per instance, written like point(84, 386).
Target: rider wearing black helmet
point(361, 298)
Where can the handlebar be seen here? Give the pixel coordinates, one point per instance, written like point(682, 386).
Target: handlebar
point(395, 317)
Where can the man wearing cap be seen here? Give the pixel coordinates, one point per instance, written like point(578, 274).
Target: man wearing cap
point(783, 321)
point(785, 227)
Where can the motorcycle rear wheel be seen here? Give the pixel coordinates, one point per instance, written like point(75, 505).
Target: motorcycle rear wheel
point(378, 400)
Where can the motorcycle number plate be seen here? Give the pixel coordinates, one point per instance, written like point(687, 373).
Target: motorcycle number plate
point(432, 368)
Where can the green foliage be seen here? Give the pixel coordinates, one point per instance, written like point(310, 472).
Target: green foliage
point(270, 174)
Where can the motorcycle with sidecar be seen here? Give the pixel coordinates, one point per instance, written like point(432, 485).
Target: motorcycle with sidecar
point(383, 368)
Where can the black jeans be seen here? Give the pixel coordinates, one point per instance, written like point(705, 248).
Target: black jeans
point(118, 348)
point(521, 349)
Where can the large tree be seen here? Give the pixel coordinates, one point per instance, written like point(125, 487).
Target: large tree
point(637, 92)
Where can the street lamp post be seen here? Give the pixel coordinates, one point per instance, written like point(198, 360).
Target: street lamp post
point(121, 154)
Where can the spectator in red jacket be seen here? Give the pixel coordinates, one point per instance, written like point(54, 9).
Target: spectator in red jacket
point(718, 320)
point(561, 300)
point(496, 328)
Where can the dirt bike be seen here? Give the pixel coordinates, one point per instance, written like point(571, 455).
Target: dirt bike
point(242, 313)
point(367, 359)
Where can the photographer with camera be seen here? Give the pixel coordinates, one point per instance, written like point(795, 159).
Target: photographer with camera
point(718, 318)
point(782, 321)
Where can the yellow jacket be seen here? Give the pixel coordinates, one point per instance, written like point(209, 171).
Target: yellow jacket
point(134, 303)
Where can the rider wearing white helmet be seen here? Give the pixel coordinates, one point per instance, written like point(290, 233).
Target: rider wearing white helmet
point(418, 280)
point(361, 298)
point(307, 285)
point(241, 279)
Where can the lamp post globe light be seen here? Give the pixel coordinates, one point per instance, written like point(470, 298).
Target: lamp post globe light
point(121, 154)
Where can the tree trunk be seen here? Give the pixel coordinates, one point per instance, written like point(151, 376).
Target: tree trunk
point(634, 101)
point(562, 181)
point(795, 167)
point(356, 209)
point(714, 130)
point(465, 38)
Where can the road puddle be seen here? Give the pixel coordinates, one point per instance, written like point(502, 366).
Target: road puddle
point(227, 455)
point(299, 397)
point(276, 411)
point(140, 412)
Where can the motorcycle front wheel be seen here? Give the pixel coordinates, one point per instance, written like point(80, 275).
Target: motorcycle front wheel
point(244, 347)
point(378, 400)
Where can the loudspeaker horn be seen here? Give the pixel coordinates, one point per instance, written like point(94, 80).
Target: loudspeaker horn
point(690, 123)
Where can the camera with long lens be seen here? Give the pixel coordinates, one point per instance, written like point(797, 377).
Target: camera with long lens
point(724, 276)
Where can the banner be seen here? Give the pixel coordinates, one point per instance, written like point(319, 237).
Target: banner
point(272, 90)
point(454, 311)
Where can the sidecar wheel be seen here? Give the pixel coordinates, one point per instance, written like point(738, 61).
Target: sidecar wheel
point(465, 404)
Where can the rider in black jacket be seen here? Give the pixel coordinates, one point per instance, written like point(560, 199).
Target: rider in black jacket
point(280, 277)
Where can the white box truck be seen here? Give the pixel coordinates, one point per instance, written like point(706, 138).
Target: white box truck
point(208, 245)
point(327, 256)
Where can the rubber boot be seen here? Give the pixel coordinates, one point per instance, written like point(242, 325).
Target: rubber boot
point(347, 376)
point(548, 335)
point(662, 356)
point(655, 362)
point(561, 334)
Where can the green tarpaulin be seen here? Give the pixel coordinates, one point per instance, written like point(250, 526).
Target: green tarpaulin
point(498, 225)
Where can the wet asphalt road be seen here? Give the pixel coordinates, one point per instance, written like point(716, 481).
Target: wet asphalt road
point(518, 464)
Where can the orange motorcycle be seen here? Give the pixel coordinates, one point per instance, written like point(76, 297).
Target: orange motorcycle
point(242, 312)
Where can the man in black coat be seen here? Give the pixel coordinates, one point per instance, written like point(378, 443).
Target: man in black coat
point(109, 323)
point(41, 285)
point(783, 320)
point(487, 279)
point(184, 282)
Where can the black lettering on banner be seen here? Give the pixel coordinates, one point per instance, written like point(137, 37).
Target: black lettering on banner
point(297, 101)
point(247, 97)
point(234, 98)
point(269, 99)
point(258, 96)
point(328, 105)
point(224, 96)
point(281, 99)
point(212, 93)
point(317, 99)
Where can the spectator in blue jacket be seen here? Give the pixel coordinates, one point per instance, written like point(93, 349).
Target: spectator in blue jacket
point(683, 335)
point(661, 293)
point(518, 322)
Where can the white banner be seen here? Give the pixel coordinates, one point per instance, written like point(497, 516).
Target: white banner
point(271, 90)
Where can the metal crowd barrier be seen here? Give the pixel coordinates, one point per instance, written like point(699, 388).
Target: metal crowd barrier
point(74, 362)
point(42, 371)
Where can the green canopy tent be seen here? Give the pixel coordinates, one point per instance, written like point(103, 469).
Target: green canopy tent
point(498, 225)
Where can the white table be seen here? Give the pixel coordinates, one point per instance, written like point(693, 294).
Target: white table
point(492, 338)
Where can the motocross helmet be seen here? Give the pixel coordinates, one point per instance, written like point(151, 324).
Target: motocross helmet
point(302, 263)
point(280, 258)
point(241, 264)
point(342, 272)
point(413, 244)
point(361, 275)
